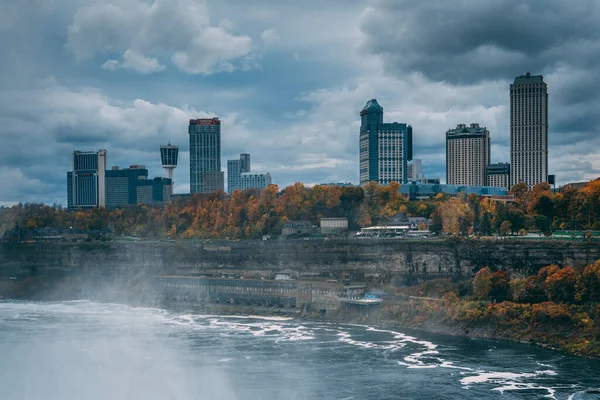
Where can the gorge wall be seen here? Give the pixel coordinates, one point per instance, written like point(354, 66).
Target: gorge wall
point(427, 258)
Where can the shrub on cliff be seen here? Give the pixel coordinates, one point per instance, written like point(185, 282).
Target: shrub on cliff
point(528, 290)
point(482, 283)
point(560, 286)
point(500, 288)
point(550, 313)
point(588, 286)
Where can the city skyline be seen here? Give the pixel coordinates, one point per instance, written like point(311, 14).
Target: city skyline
point(69, 84)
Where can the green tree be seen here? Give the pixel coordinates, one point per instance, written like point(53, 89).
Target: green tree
point(485, 226)
point(544, 206)
point(517, 219)
point(505, 228)
point(436, 223)
point(542, 223)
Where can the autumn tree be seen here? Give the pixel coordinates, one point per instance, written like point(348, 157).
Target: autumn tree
point(500, 286)
point(505, 228)
point(482, 283)
point(436, 223)
point(560, 286)
point(588, 286)
point(455, 215)
point(521, 192)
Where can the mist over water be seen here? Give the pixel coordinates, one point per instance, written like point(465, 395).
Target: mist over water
point(68, 351)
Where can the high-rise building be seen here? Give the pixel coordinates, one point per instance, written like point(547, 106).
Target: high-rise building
point(244, 162)
point(168, 159)
point(153, 191)
point(205, 155)
point(467, 155)
point(234, 169)
point(240, 177)
point(415, 170)
point(121, 185)
point(498, 175)
point(528, 130)
point(86, 186)
point(233, 175)
point(385, 148)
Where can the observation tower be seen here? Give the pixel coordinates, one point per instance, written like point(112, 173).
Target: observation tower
point(168, 158)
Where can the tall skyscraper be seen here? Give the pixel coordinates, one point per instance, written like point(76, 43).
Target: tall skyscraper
point(205, 155)
point(86, 182)
point(168, 159)
point(467, 155)
point(528, 130)
point(385, 148)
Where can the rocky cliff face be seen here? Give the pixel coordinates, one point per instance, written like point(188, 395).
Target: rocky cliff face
point(431, 258)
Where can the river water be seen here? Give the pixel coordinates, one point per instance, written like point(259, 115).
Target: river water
point(94, 351)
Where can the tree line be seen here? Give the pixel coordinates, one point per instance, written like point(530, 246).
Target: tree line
point(253, 213)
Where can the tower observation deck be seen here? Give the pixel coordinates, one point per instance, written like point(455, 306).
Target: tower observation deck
point(168, 158)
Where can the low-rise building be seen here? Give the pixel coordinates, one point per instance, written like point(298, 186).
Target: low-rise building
point(334, 225)
point(251, 180)
point(299, 228)
point(574, 185)
point(398, 225)
point(418, 191)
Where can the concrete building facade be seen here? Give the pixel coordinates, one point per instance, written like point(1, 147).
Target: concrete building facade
point(251, 180)
point(467, 155)
point(239, 176)
point(384, 148)
point(415, 170)
point(528, 130)
point(234, 170)
point(334, 225)
point(498, 175)
point(205, 155)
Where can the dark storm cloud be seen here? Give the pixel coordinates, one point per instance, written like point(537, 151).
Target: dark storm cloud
point(297, 113)
point(471, 40)
point(467, 42)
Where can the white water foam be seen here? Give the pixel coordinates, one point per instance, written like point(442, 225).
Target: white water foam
point(509, 381)
point(429, 357)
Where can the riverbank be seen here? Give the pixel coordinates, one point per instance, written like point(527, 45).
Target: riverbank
point(443, 318)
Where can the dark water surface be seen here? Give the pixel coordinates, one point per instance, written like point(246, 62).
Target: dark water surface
point(105, 351)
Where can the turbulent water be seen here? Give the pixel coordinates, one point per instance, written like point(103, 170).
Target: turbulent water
point(106, 351)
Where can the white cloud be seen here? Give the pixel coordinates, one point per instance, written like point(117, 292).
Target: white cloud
point(270, 36)
point(175, 29)
point(135, 61)
point(111, 65)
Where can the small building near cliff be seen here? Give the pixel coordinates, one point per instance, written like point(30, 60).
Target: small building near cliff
point(334, 225)
point(299, 228)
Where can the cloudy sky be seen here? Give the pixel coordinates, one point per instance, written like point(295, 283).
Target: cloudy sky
point(287, 79)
